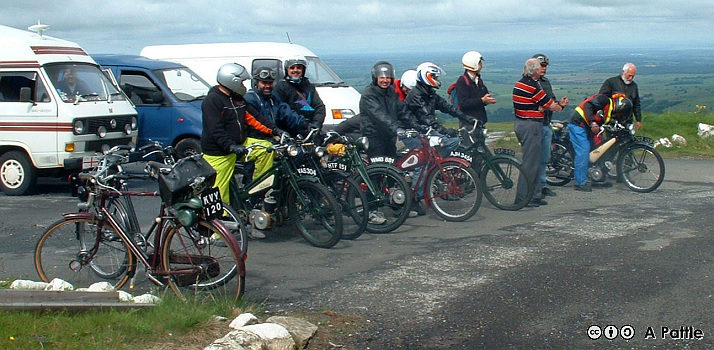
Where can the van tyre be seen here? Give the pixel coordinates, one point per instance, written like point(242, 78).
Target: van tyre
point(17, 174)
point(188, 147)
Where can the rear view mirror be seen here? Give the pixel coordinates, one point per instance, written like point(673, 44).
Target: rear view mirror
point(25, 94)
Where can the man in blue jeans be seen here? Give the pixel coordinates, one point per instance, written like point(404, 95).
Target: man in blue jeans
point(546, 145)
point(586, 120)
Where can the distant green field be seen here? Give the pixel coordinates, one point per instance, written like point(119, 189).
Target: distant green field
point(669, 81)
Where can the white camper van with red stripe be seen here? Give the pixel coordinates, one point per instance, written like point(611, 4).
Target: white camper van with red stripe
point(57, 108)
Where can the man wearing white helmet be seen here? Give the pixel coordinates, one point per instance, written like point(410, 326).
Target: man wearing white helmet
point(472, 94)
point(405, 84)
point(423, 102)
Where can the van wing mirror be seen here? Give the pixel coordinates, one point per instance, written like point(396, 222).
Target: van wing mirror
point(26, 94)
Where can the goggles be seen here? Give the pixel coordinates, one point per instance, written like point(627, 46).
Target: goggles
point(265, 74)
point(543, 60)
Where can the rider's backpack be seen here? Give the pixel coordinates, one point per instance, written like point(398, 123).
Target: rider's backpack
point(452, 92)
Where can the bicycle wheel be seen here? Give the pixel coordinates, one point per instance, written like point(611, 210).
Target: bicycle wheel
point(501, 183)
point(352, 200)
point(454, 191)
point(559, 170)
point(71, 250)
point(117, 207)
point(316, 214)
point(236, 225)
point(200, 258)
point(641, 168)
point(392, 200)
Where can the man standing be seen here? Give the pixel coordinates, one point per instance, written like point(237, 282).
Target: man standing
point(546, 146)
point(625, 84)
point(529, 102)
point(472, 94)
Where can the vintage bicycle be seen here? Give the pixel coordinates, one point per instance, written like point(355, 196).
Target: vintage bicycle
point(191, 251)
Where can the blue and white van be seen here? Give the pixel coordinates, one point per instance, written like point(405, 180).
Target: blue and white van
point(167, 96)
point(341, 100)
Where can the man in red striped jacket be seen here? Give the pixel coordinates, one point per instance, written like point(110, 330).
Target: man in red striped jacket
point(529, 102)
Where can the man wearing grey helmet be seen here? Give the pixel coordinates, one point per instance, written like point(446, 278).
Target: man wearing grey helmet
point(226, 122)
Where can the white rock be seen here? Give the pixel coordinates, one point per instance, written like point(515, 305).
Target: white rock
point(679, 139)
point(146, 299)
point(243, 320)
point(59, 285)
point(124, 296)
point(705, 130)
point(237, 340)
point(665, 142)
point(28, 285)
point(301, 330)
point(101, 287)
point(275, 337)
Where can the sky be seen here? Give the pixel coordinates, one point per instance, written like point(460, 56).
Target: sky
point(353, 27)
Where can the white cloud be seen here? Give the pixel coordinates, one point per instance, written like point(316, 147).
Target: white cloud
point(388, 25)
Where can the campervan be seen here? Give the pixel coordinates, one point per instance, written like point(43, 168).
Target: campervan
point(167, 96)
point(341, 100)
point(57, 109)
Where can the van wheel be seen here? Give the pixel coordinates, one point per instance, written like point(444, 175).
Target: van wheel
point(188, 147)
point(17, 175)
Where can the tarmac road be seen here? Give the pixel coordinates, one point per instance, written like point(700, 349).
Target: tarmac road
point(538, 278)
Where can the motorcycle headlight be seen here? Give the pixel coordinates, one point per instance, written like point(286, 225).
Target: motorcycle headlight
point(293, 150)
point(362, 143)
point(631, 128)
point(320, 151)
point(484, 132)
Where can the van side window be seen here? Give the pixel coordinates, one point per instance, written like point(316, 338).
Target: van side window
point(12, 82)
point(140, 89)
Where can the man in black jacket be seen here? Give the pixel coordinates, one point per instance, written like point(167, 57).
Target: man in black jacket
point(298, 92)
point(381, 112)
point(423, 102)
point(625, 84)
point(226, 121)
point(472, 94)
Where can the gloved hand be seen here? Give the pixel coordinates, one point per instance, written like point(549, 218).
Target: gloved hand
point(239, 150)
point(279, 132)
point(450, 132)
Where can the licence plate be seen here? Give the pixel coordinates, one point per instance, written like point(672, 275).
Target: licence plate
point(89, 162)
point(212, 204)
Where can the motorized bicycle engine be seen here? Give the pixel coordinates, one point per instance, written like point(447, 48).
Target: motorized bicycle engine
point(262, 219)
point(596, 174)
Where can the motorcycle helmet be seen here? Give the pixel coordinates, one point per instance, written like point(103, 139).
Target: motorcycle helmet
point(621, 107)
point(542, 58)
point(409, 79)
point(471, 59)
point(382, 69)
point(231, 76)
point(263, 73)
point(297, 60)
point(428, 73)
